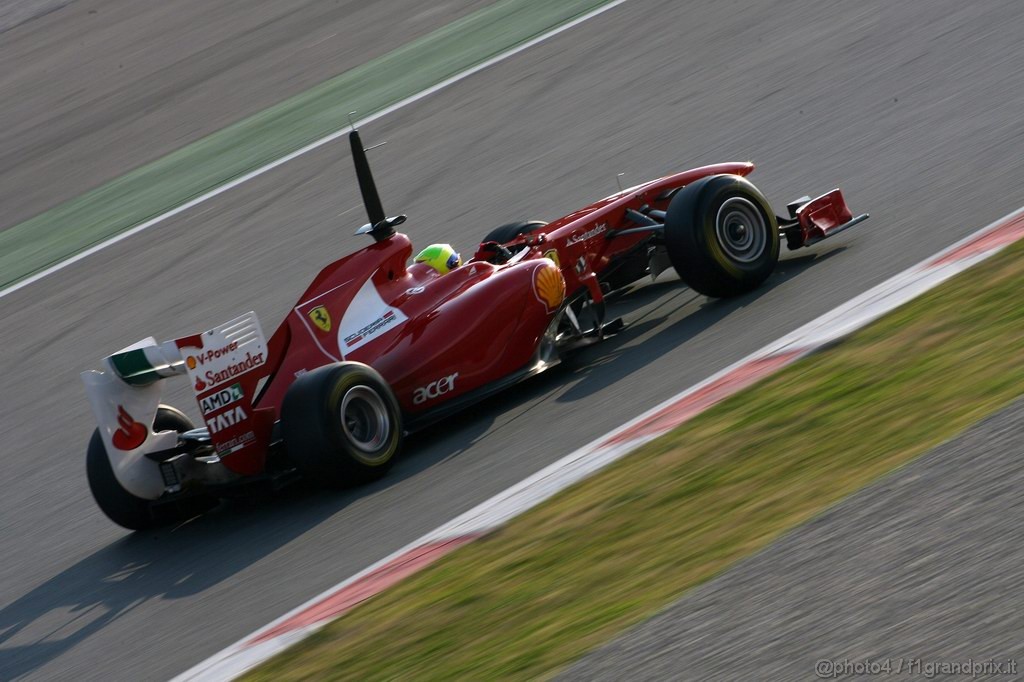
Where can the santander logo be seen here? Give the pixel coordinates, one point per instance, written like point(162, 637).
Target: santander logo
point(131, 433)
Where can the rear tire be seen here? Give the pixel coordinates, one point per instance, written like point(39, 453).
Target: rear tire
point(120, 506)
point(341, 424)
point(721, 236)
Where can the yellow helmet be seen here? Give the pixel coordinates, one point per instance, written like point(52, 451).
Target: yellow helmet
point(441, 257)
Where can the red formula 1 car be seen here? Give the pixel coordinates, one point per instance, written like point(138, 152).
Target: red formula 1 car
point(377, 347)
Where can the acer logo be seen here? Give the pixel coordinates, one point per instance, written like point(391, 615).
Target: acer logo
point(434, 389)
point(130, 433)
point(226, 420)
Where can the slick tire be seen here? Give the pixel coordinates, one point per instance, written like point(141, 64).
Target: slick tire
point(120, 506)
point(721, 236)
point(506, 233)
point(341, 424)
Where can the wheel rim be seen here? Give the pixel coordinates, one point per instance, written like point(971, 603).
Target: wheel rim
point(740, 230)
point(366, 421)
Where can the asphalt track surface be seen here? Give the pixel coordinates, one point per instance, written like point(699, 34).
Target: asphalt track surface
point(915, 114)
point(923, 565)
point(95, 88)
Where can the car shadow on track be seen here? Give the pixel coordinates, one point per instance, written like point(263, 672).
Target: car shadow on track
point(608, 363)
point(193, 558)
point(162, 564)
point(182, 561)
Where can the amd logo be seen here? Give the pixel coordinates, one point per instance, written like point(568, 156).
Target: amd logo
point(434, 389)
point(221, 398)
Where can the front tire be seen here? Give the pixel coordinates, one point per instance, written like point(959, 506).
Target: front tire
point(120, 506)
point(341, 424)
point(722, 236)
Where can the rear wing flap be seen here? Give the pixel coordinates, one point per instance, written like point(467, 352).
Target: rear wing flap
point(226, 366)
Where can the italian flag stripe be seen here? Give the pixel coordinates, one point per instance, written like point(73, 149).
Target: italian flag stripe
point(142, 366)
point(134, 367)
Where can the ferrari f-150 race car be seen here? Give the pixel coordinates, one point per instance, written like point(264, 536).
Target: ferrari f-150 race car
point(378, 347)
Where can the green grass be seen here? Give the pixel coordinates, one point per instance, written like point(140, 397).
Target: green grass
point(574, 572)
point(193, 170)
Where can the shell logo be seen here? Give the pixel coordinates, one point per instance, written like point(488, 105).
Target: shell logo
point(190, 361)
point(549, 286)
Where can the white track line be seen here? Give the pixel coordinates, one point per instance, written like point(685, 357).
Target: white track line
point(31, 279)
point(309, 617)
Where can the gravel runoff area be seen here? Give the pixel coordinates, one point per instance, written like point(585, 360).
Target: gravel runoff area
point(923, 567)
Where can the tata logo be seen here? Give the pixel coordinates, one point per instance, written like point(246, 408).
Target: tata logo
point(222, 421)
point(434, 389)
point(222, 398)
point(321, 318)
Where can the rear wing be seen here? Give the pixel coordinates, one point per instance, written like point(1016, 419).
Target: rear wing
point(226, 366)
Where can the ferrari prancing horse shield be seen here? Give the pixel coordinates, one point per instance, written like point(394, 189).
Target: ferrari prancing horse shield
point(321, 318)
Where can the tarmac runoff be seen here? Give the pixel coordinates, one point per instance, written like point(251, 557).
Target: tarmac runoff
point(917, 576)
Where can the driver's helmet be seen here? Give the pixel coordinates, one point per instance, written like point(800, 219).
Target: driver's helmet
point(441, 257)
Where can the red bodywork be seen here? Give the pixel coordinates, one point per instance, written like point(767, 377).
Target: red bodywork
point(818, 218)
point(481, 321)
point(435, 338)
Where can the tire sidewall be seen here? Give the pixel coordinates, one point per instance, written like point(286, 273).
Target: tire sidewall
point(693, 246)
point(344, 382)
point(714, 196)
point(311, 425)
